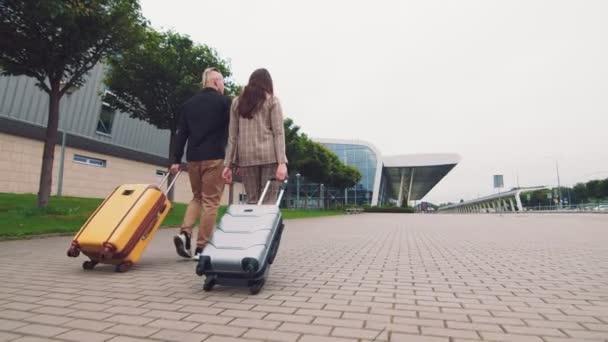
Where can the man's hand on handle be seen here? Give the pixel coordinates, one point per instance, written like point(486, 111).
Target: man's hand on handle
point(227, 175)
point(174, 168)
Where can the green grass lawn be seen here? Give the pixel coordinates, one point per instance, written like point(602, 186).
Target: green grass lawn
point(19, 215)
point(296, 214)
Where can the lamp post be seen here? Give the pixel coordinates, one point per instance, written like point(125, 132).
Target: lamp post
point(559, 187)
point(62, 158)
point(345, 189)
point(298, 175)
point(322, 196)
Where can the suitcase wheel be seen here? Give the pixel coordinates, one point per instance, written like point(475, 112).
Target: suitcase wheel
point(209, 284)
point(123, 267)
point(73, 252)
point(250, 266)
point(200, 270)
point(257, 287)
point(203, 264)
point(89, 264)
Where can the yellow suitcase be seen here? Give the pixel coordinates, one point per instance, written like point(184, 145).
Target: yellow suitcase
point(121, 228)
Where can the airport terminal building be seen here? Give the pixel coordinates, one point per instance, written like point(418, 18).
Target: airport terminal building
point(389, 180)
point(99, 149)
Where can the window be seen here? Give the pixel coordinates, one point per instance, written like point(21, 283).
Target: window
point(106, 119)
point(89, 161)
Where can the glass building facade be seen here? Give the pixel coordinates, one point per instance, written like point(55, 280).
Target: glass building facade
point(366, 161)
point(383, 178)
point(301, 193)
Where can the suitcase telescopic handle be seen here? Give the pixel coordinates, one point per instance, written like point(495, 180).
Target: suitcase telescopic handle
point(160, 185)
point(283, 186)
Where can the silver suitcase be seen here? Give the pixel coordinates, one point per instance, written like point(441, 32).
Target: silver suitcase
point(244, 245)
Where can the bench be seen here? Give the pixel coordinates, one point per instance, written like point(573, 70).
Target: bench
point(354, 211)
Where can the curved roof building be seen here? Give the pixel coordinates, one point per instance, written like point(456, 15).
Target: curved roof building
point(390, 179)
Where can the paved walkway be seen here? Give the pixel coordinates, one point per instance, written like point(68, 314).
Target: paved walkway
point(381, 277)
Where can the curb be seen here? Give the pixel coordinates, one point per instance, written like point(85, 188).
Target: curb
point(50, 235)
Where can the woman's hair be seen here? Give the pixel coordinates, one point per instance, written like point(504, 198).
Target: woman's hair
point(255, 93)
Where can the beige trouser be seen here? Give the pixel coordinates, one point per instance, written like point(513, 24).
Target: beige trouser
point(254, 180)
point(207, 187)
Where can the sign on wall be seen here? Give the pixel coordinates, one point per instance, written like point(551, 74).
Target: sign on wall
point(498, 182)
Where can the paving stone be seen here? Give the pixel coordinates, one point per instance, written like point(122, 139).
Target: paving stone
point(411, 277)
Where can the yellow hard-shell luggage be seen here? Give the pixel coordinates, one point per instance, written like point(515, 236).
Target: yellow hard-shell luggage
point(121, 228)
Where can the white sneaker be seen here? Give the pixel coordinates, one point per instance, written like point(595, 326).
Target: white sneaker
point(197, 253)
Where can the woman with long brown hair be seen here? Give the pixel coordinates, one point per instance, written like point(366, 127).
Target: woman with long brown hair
point(256, 138)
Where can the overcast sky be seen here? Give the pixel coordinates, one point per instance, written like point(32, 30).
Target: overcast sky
point(511, 86)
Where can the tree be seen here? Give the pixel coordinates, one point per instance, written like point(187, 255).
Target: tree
point(346, 176)
point(318, 163)
point(294, 145)
point(152, 80)
point(57, 42)
point(603, 188)
point(593, 188)
point(580, 192)
point(540, 197)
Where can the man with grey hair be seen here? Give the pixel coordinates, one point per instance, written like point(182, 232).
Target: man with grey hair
point(206, 73)
point(203, 123)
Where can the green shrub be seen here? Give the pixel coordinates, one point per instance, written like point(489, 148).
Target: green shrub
point(389, 210)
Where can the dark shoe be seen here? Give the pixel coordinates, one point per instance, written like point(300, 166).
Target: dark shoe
point(182, 244)
point(197, 253)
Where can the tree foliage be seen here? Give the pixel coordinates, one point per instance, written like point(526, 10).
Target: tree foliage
point(580, 193)
point(315, 162)
point(151, 81)
point(57, 42)
point(591, 190)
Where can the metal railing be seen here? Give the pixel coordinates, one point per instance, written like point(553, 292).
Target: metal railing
point(596, 207)
point(584, 207)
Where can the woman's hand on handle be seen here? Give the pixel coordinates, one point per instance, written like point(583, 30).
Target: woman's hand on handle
point(281, 172)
